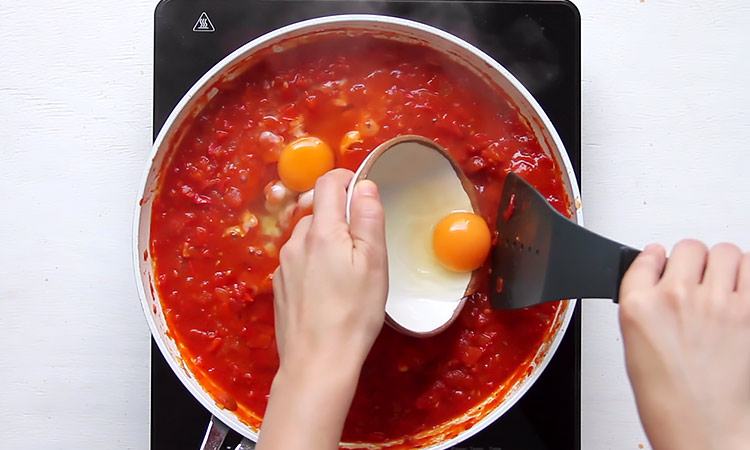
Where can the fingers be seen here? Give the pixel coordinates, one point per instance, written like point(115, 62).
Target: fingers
point(722, 267)
point(367, 217)
point(646, 269)
point(743, 278)
point(278, 287)
point(293, 247)
point(329, 204)
point(686, 263)
point(300, 231)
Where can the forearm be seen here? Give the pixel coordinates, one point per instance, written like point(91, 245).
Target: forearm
point(307, 409)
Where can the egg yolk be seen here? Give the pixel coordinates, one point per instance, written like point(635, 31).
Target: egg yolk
point(303, 161)
point(461, 241)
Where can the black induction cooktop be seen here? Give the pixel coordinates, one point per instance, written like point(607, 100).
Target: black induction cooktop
point(538, 41)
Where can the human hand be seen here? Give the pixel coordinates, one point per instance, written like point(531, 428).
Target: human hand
point(330, 291)
point(687, 345)
point(332, 282)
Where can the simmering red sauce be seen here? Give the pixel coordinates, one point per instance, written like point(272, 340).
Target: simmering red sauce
point(219, 220)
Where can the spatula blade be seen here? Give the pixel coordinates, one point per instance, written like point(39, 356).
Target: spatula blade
point(543, 256)
point(522, 254)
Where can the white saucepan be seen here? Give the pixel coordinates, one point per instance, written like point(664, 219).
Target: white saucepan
point(197, 97)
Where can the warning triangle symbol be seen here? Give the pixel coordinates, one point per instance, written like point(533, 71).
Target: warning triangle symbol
point(204, 24)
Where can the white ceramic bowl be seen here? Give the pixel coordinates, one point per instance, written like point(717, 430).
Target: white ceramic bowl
point(419, 183)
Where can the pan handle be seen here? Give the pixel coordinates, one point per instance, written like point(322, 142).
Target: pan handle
point(246, 444)
point(215, 435)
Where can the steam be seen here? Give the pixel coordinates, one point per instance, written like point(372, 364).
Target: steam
point(471, 21)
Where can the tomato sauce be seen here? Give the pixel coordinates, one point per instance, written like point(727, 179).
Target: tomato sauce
point(216, 232)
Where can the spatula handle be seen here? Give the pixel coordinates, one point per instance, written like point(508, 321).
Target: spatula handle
point(586, 264)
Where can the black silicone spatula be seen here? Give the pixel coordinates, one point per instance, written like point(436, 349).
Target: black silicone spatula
point(543, 256)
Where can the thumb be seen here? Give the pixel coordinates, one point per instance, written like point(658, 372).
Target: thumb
point(367, 223)
point(646, 270)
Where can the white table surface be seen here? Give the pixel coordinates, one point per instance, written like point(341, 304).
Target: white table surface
point(665, 156)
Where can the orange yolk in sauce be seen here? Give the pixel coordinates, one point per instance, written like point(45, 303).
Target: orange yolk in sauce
point(303, 161)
